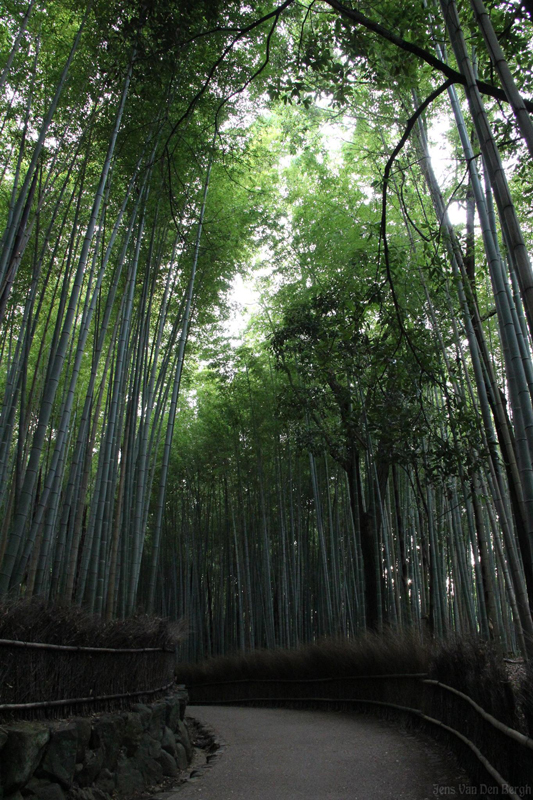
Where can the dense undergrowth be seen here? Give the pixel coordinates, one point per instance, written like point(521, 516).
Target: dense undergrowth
point(36, 621)
point(471, 666)
point(370, 654)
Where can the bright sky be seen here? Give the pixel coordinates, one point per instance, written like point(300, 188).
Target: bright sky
point(443, 164)
point(245, 292)
point(245, 297)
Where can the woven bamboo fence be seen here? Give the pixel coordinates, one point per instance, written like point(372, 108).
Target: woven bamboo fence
point(40, 680)
point(494, 754)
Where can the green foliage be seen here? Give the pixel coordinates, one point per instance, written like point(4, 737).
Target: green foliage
point(355, 369)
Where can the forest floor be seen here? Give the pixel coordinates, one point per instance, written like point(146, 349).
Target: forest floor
point(279, 754)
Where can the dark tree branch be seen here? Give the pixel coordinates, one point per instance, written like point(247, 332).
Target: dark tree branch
point(239, 35)
point(453, 75)
point(252, 77)
point(354, 16)
point(383, 228)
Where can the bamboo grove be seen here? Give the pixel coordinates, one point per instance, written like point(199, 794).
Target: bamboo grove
point(363, 455)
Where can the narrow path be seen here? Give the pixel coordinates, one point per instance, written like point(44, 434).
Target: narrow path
point(279, 754)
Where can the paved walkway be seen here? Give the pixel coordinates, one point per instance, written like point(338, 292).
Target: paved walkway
point(279, 754)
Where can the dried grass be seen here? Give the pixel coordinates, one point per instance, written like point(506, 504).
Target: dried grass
point(370, 654)
point(30, 675)
point(35, 621)
point(473, 667)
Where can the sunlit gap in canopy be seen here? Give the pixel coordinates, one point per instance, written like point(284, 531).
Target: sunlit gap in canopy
point(337, 131)
point(245, 293)
point(444, 165)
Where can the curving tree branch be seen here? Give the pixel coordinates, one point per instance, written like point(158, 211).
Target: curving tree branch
point(383, 227)
point(453, 75)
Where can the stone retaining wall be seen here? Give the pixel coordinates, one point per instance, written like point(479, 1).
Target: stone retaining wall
point(90, 758)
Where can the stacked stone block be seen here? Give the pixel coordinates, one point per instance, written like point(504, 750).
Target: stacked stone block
point(93, 758)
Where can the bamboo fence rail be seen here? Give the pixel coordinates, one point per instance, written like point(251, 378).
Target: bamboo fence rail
point(493, 752)
point(39, 679)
